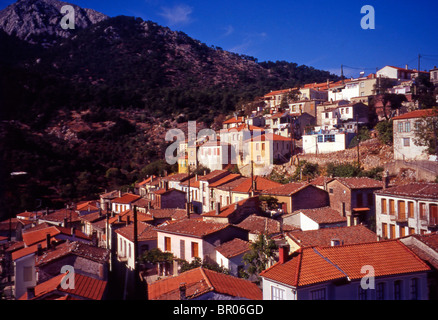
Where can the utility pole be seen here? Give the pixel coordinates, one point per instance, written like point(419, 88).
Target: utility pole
point(188, 190)
point(357, 137)
point(342, 73)
point(136, 271)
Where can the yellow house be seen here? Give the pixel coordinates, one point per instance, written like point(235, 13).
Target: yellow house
point(264, 149)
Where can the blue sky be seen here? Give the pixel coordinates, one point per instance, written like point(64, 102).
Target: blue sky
point(322, 34)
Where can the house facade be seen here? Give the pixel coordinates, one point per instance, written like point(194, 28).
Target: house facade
point(407, 209)
point(404, 136)
point(353, 198)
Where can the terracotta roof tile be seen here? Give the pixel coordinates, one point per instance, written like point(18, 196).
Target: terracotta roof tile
point(200, 281)
point(233, 248)
point(215, 174)
point(193, 227)
point(145, 232)
point(126, 198)
point(85, 287)
point(323, 215)
point(257, 224)
point(323, 237)
point(224, 180)
point(260, 185)
point(315, 265)
point(228, 210)
point(286, 189)
point(420, 190)
point(360, 182)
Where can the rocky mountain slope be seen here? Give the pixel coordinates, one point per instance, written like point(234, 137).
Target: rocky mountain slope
point(38, 21)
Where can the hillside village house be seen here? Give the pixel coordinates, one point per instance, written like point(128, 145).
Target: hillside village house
point(434, 76)
point(401, 74)
point(353, 198)
point(146, 240)
point(233, 213)
point(326, 237)
point(404, 136)
point(205, 193)
point(203, 284)
point(359, 87)
point(313, 219)
point(194, 238)
point(215, 155)
point(298, 195)
point(407, 209)
point(250, 187)
point(335, 273)
point(229, 255)
point(258, 225)
point(327, 141)
point(222, 192)
point(263, 151)
point(123, 203)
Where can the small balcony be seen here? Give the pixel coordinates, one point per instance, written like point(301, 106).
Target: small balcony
point(399, 219)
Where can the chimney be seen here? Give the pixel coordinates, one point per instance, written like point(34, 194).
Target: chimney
point(386, 179)
point(30, 293)
point(283, 252)
point(182, 291)
point(236, 206)
point(218, 208)
point(65, 223)
point(72, 230)
point(128, 219)
point(39, 249)
point(406, 67)
point(149, 206)
point(48, 240)
point(120, 193)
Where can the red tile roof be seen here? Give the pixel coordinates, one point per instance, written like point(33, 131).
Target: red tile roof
point(416, 114)
point(260, 185)
point(286, 189)
point(166, 213)
point(323, 215)
point(85, 288)
point(233, 248)
point(192, 227)
point(420, 190)
point(215, 174)
point(234, 120)
point(360, 183)
point(126, 198)
point(257, 224)
point(322, 237)
point(200, 281)
point(269, 137)
point(60, 215)
point(316, 265)
point(33, 237)
point(145, 232)
point(226, 179)
point(228, 210)
point(77, 248)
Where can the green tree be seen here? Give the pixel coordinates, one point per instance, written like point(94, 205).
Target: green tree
point(384, 129)
point(426, 131)
point(261, 253)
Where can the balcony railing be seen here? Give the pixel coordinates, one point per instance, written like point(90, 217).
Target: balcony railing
point(431, 222)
